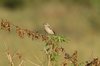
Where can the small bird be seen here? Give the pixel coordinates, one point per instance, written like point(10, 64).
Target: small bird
point(48, 29)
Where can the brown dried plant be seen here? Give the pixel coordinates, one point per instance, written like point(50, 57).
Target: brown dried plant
point(94, 62)
point(52, 42)
point(72, 58)
point(52, 50)
point(11, 58)
point(5, 25)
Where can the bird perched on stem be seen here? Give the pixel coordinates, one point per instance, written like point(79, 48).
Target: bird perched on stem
point(48, 29)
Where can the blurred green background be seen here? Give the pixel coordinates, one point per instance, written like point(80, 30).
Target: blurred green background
point(77, 20)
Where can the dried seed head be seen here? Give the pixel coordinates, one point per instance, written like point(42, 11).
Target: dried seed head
point(64, 64)
point(62, 49)
point(28, 32)
point(74, 58)
point(20, 32)
point(5, 25)
point(57, 49)
point(94, 62)
point(19, 55)
point(66, 56)
point(44, 37)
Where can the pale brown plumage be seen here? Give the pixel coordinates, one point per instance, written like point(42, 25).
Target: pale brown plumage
point(48, 29)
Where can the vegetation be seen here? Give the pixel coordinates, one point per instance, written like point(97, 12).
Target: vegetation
point(14, 4)
point(77, 19)
point(53, 48)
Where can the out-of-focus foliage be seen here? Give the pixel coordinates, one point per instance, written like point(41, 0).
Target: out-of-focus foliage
point(94, 23)
point(80, 2)
point(12, 4)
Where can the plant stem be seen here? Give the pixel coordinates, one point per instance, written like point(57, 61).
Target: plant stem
point(49, 61)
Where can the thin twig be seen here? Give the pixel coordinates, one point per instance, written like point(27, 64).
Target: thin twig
point(32, 62)
point(10, 58)
point(49, 61)
point(21, 63)
point(38, 59)
point(45, 51)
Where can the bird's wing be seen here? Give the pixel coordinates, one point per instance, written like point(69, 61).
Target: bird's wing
point(52, 29)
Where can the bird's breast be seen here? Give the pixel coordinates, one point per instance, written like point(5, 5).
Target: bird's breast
point(48, 30)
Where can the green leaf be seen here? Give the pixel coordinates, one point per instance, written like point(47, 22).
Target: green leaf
point(54, 56)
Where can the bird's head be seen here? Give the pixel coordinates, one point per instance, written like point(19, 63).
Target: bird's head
point(46, 25)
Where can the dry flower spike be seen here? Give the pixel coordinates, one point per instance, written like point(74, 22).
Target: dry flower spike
point(94, 62)
point(20, 32)
point(5, 25)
